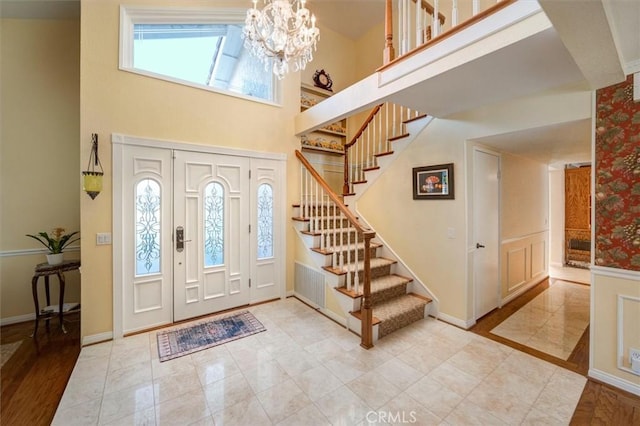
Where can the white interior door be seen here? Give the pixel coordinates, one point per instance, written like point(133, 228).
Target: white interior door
point(486, 222)
point(146, 253)
point(211, 204)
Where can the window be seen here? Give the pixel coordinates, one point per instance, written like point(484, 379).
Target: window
point(265, 221)
point(213, 224)
point(200, 48)
point(148, 227)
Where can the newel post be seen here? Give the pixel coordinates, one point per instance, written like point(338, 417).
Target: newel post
point(388, 55)
point(366, 310)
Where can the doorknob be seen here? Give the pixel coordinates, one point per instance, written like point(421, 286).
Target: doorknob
point(478, 245)
point(180, 239)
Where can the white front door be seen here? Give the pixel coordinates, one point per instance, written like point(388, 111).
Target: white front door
point(486, 214)
point(194, 233)
point(211, 235)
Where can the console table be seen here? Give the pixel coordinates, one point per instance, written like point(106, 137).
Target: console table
point(45, 270)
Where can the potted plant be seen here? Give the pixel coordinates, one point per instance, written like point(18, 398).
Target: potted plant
point(55, 243)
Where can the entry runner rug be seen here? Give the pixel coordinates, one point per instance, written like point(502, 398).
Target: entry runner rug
point(206, 334)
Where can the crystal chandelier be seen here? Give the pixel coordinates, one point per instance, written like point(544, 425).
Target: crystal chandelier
point(283, 31)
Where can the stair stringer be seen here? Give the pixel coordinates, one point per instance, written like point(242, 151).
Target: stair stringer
point(416, 285)
point(413, 128)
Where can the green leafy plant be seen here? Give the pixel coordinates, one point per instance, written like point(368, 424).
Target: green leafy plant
point(57, 241)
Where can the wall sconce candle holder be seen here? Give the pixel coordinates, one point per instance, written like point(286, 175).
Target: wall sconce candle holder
point(92, 179)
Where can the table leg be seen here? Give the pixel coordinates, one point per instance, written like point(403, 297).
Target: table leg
point(34, 290)
point(46, 290)
point(61, 304)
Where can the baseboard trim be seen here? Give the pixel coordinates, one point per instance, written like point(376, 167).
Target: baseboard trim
point(616, 273)
point(17, 319)
point(335, 317)
point(615, 381)
point(97, 338)
point(456, 321)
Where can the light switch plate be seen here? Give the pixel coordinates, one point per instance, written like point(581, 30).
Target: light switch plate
point(103, 238)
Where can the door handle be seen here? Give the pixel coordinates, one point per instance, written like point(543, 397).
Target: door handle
point(478, 246)
point(180, 239)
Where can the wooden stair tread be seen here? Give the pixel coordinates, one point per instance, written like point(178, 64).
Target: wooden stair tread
point(377, 285)
point(402, 136)
point(358, 314)
point(376, 262)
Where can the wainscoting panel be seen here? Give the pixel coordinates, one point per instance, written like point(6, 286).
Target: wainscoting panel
point(538, 258)
point(516, 268)
point(524, 263)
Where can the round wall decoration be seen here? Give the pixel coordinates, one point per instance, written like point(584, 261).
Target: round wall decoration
point(322, 80)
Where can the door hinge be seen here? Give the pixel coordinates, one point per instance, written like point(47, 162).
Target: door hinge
point(249, 174)
point(249, 282)
point(249, 228)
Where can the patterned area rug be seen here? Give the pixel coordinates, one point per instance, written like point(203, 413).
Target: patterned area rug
point(206, 334)
point(7, 350)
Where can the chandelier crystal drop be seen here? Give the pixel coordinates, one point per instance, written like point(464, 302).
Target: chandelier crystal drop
point(283, 31)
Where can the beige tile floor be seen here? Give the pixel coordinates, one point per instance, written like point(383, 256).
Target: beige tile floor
point(307, 370)
point(552, 322)
point(567, 273)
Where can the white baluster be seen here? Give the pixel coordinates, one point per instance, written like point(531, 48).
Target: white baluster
point(419, 40)
point(340, 233)
point(335, 260)
point(348, 279)
point(436, 18)
point(302, 172)
point(454, 13)
point(475, 7)
point(356, 279)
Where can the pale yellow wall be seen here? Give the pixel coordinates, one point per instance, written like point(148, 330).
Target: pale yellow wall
point(417, 230)
point(335, 55)
point(39, 160)
point(114, 101)
point(524, 196)
point(556, 217)
point(604, 324)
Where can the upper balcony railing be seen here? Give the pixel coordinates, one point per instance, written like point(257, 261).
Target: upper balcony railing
point(417, 26)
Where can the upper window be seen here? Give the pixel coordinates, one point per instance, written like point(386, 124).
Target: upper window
point(202, 48)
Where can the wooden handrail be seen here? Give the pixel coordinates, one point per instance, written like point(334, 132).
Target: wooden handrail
point(366, 332)
point(372, 114)
point(332, 195)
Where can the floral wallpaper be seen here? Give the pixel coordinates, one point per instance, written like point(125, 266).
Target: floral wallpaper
point(617, 194)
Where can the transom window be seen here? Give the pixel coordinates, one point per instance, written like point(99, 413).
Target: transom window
point(201, 48)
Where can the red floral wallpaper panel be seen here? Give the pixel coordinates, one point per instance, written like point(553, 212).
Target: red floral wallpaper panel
point(617, 195)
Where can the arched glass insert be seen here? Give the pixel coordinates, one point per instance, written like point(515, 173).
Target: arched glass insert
point(265, 221)
point(148, 220)
point(213, 224)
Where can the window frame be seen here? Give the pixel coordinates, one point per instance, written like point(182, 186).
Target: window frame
point(131, 15)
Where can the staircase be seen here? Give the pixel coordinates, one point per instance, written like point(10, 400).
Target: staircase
point(343, 246)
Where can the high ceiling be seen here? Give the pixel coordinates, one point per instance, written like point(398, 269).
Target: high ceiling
point(569, 142)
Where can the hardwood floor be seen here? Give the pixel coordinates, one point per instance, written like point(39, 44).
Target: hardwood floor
point(600, 404)
point(34, 378)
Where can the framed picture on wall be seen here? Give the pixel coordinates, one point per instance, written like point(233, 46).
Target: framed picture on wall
point(433, 182)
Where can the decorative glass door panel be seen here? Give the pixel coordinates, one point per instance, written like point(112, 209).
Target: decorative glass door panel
point(211, 204)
